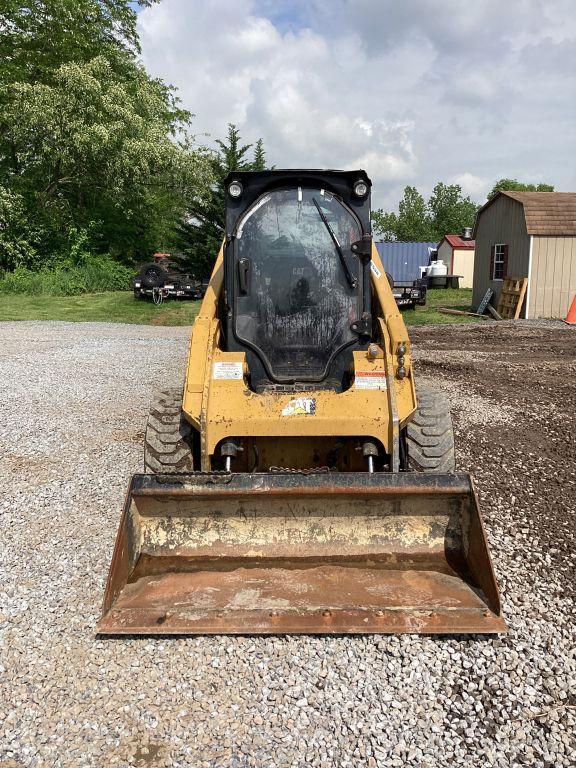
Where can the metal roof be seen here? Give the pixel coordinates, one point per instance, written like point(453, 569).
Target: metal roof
point(403, 260)
point(458, 242)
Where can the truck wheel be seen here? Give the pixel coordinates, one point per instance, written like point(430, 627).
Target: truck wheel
point(168, 439)
point(429, 436)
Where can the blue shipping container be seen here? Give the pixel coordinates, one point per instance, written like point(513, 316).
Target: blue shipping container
point(403, 260)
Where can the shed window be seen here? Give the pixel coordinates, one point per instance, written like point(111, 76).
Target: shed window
point(499, 261)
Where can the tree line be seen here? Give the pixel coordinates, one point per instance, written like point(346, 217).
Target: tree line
point(96, 156)
point(447, 211)
point(99, 159)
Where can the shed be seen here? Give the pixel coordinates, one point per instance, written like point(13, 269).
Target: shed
point(403, 260)
point(458, 254)
point(533, 235)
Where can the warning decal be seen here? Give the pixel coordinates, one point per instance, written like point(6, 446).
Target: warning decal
point(228, 371)
point(300, 406)
point(370, 380)
point(375, 270)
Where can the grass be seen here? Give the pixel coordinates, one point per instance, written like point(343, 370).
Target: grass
point(122, 307)
point(112, 307)
point(451, 298)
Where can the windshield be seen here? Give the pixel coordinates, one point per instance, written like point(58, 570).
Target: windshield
point(296, 284)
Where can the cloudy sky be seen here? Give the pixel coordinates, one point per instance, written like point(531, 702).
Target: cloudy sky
point(414, 91)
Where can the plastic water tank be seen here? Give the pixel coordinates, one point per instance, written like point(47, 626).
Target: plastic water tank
point(436, 274)
point(437, 268)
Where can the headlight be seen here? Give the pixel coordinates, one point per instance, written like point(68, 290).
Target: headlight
point(415, 294)
point(360, 188)
point(235, 189)
point(136, 285)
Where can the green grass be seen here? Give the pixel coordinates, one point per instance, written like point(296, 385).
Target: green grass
point(451, 298)
point(113, 307)
point(122, 307)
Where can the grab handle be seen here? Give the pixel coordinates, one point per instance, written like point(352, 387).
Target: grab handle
point(244, 275)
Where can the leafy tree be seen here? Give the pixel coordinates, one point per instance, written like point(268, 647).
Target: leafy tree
point(201, 235)
point(385, 224)
point(18, 240)
point(511, 185)
point(417, 220)
point(92, 150)
point(39, 36)
point(449, 210)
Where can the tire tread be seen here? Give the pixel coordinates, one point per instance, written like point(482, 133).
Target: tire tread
point(430, 436)
point(167, 442)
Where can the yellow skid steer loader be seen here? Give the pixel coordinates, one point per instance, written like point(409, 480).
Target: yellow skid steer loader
point(300, 482)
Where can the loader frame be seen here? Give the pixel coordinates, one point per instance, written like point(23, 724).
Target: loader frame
point(226, 408)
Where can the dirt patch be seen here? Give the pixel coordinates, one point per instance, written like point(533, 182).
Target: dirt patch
point(513, 394)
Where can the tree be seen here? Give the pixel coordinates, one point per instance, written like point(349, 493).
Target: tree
point(40, 35)
point(91, 148)
point(95, 152)
point(446, 211)
point(18, 240)
point(201, 235)
point(412, 221)
point(259, 162)
point(511, 185)
point(449, 210)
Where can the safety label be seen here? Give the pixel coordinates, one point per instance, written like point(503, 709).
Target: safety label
point(370, 380)
point(228, 371)
point(300, 406)
point(375, 270)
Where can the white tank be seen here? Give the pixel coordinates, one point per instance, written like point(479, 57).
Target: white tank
point(437, 269)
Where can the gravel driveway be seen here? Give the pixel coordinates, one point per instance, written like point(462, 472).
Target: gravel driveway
point(72, 413)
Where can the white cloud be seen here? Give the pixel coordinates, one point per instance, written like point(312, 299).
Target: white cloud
point(476, 187)
point(415, 91)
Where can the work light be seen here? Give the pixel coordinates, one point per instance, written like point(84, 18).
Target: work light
point(235, 189)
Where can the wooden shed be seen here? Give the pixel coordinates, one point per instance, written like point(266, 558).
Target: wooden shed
point(533, 235)
point(458, 254)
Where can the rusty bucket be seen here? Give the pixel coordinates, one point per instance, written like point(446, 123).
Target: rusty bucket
point(301, 553)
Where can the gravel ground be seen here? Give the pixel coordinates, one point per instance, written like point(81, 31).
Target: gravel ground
point(72, 414)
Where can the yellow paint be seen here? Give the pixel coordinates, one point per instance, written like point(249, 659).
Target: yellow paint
point(221, 408)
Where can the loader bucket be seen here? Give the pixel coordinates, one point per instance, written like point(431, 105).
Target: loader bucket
point(301, 553)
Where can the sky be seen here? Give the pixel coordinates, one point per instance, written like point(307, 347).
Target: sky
point(412, 91)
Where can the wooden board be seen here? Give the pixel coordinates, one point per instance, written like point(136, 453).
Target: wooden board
point(448, 311)
point(512, 297)
point(492, 312)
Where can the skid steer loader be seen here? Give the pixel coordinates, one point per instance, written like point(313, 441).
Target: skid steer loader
point(300, 482)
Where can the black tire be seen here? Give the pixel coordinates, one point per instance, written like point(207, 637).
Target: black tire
point(137, 294)
point(168, 439)
point(430, 436)
point(153, 275)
